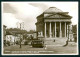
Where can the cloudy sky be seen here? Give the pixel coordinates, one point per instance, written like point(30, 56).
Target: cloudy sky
point(14, 13)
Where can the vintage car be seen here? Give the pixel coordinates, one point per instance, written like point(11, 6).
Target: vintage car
point(37, 43)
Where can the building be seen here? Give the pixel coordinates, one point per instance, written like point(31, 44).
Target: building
point(53, 23)
point(29, 34)
point(14, 35)
point(9, 38)
point(4, 34)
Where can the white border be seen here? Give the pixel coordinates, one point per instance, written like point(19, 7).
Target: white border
point(36, 54)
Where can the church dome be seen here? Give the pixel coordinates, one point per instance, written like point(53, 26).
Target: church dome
point(52, 9)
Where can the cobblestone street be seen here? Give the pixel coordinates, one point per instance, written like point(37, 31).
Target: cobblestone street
point(26, 49)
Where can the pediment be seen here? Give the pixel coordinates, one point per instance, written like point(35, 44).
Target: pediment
point(56, 16)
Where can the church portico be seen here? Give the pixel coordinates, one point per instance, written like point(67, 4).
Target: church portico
point(54, 25)
point(55, 29)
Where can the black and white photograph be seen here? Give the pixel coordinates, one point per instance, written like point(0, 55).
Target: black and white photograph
point(39, 28)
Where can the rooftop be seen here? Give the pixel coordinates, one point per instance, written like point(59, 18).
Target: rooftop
point(52, 9)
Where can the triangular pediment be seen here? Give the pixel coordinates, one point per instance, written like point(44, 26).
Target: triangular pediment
point(56, 16)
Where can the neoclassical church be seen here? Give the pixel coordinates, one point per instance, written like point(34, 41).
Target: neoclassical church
point(53, 24)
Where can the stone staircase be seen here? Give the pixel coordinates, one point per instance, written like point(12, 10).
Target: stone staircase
point(72, 43)
point(55, 41)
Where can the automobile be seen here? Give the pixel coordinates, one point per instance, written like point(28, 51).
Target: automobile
point(37, 43)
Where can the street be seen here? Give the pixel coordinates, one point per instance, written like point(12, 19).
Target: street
point(27, 49)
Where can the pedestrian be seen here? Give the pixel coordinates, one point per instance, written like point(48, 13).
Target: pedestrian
point(45, 46)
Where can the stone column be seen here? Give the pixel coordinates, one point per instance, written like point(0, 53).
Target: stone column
point(55, 29)
point(50, 31)
point(65, 29)
point(45, 29)
point(60, 30)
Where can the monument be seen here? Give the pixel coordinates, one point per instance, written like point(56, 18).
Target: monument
point(53, 23)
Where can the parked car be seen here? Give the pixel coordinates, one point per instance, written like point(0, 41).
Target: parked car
point(37, 43)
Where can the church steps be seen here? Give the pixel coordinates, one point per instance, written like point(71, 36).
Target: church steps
point(55, 41)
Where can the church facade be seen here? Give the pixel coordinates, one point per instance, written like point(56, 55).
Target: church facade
point(53, 23)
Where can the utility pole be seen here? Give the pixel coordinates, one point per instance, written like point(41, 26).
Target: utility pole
point(20, 32)
point(21, 27)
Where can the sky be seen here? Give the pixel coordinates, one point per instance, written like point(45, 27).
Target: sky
point(14, 13)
